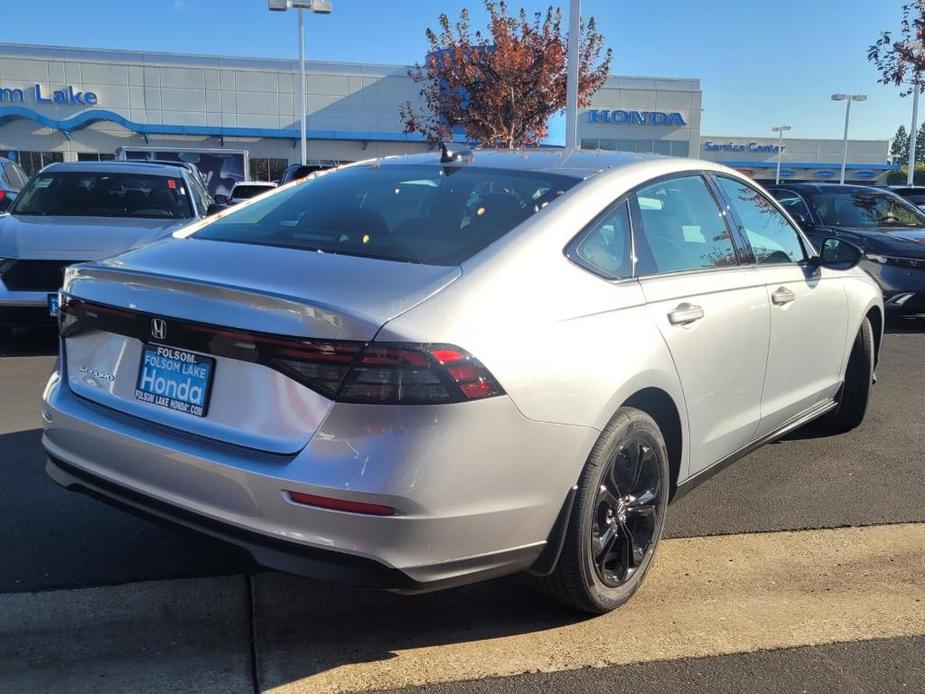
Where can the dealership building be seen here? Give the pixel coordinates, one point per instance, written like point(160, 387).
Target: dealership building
point(67, 104)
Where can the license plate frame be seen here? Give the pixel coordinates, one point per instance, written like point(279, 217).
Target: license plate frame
point(180, 357)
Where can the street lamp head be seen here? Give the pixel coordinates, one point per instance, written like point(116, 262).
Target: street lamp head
point(859, 97)
point(316, 6)
point(780, 128)
point(839, 97)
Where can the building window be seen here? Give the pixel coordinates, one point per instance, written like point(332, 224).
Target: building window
point(663, 147)
point(31, 162)
point(267, 168)
point(674, 148)
point(95, 156)
point(680, 148)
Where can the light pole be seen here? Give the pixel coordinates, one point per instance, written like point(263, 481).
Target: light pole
point(316, 7)
point(780, 130)
point(571, 75)
point(914, 135)
point(847, 98)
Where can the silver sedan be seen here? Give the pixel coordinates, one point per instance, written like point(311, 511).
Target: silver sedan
point(421, 371)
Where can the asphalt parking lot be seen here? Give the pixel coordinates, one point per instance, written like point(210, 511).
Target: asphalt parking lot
point(797, 569)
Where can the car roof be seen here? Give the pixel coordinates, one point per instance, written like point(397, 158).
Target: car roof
point(576, 163)
point(118, 166)
point(824, 187)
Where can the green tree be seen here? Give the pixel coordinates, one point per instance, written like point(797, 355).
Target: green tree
point(899, 148)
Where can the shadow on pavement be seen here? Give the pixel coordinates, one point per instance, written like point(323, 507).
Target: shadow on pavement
point(52, 538)
point(304, 628)
point(30, 343)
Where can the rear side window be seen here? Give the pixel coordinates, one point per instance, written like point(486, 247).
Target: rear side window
point(607, 248)
point(769, 233)
point(682, 228)
point(793, 203)
point(414, 213)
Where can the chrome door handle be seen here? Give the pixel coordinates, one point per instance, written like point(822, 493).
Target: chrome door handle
point(782, 296)
point(685, 313)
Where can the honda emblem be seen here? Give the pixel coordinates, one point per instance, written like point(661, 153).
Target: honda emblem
point(159, 328)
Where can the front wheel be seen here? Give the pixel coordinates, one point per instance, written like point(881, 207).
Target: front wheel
point(617, 518)
point(855, 391)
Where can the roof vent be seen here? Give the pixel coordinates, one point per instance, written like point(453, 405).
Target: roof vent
point(452, 153)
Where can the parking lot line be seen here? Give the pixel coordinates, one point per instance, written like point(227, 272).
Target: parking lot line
point(705, 597)
point(156, 636)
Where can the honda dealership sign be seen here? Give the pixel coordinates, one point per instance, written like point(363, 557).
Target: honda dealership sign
point(623, 117)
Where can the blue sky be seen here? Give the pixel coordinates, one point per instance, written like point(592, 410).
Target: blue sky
point(760, 62)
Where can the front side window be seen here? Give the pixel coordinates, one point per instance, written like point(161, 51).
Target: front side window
point(409, 213)
point(769, 233)
point(682, 228)
point(866, 210)
point(14, 175)
point(607, 247)
point(104, 194)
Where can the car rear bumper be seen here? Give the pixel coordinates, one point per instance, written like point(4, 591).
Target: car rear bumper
point(464, 513)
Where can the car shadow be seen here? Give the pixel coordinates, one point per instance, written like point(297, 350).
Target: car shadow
point(53, 538)
point(904, 326)
point(30, 343)
point(305, 628)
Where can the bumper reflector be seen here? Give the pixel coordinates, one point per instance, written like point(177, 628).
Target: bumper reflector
point(340, 504)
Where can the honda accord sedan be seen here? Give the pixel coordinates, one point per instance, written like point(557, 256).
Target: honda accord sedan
point(422, 371)
point(890, 230)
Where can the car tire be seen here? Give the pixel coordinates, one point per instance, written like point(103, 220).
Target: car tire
point(617, 518)
point(854, 394)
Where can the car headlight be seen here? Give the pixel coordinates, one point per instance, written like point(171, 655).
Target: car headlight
point(895, 260)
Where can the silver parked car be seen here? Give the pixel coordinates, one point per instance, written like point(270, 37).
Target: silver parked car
point(421, 371)
point(76, 211)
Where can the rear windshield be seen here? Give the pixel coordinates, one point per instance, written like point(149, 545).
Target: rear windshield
point(246, 191)
point(104, 194)
point(415, 213)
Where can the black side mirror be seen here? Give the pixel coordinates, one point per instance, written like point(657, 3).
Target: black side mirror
point(215, 208)
point(839, 254)
point(221, 199)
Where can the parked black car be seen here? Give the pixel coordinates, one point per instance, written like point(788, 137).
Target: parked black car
point(914, 194)
point(12, 179)
point(890, 229)
point(295, 171)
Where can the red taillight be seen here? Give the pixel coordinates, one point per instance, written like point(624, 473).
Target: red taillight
point(2, 193)
point(340, 504)
point(342, 370)
point(399, 374)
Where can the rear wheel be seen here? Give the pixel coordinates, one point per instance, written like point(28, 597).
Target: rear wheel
point(855, 391)
point(617, 518)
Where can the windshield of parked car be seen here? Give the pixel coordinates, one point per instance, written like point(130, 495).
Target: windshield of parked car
point(104, 194)
point(414, 213)
point(866, 209)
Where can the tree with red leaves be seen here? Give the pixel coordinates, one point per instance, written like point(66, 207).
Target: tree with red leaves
point(902, 62)
point(501, 87)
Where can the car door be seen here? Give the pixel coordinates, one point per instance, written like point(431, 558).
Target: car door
point(712, 312)
point(809, 308)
